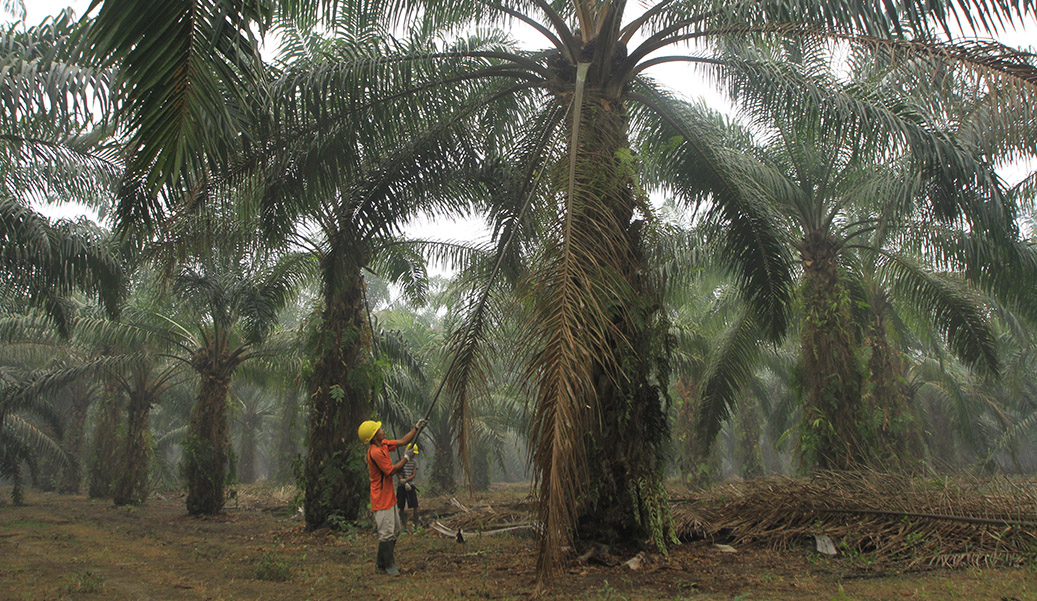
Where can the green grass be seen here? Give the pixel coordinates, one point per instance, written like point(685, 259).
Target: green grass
point(84, 582)
point(271, 568)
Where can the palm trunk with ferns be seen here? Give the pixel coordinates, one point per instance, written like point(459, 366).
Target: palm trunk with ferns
point(104, 460)
point(207, 446)
point(830, 370)
point(75, 434)
point(700, 463)
point(886, 396)
point(335, 474)
point(131, 488)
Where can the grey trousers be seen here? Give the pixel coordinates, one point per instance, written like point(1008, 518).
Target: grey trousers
point(388, 522)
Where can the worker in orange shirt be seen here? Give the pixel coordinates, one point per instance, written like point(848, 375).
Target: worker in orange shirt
point(383, 495)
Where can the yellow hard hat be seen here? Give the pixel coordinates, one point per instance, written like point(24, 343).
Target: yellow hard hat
point(367, 430)
point(413, 447)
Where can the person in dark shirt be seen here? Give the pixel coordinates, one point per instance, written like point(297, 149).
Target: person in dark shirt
point(406, 490)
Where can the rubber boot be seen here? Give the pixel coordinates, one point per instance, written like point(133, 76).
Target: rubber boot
point(390, 559)
point(379, 564)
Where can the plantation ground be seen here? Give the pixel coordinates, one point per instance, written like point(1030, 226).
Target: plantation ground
point(70, 548)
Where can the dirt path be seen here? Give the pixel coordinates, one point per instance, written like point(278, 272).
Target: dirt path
point(69, 548)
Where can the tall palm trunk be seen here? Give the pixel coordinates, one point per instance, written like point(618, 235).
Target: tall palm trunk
point(441, 474)
point(624, 499)
point(830, 370)
point(700, 462)
point(104, 461)
point(131, 487)
point(886, 398)
point(75, 434)
point(207, 445)
point(287, 445)
point(247, 454)
point(335, 474)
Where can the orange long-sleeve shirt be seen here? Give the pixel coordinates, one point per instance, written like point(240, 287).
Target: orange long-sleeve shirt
point(379, 464)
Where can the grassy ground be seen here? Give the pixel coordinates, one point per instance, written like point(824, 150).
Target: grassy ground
point(69, 548)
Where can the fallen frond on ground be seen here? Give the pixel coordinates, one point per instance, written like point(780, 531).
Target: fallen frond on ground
point(486, 517)
point(883, 519)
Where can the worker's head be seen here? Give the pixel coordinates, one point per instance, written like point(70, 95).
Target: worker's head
point(413, 447)
point(368, 431)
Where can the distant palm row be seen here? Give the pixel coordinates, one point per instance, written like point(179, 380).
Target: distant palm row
point(839, 260)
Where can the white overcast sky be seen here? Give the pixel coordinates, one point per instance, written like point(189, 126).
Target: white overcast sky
point(679, 77)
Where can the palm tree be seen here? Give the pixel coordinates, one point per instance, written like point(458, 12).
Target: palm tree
point(857, 206)
point(596, 331)
point(232, 297)
point(350, 185)
point(31, 425)
point(255, 401)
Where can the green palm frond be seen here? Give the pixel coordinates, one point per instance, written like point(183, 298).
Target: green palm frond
point(686, 146)
point(729, 369)
point(958, 311)
point(1020, 431)
point(20, 437)
point(50, 261)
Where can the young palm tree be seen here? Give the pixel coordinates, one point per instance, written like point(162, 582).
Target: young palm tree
point(232, 296)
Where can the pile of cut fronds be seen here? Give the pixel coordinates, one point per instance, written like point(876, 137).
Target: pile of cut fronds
point(882, 519)
point(487, 516)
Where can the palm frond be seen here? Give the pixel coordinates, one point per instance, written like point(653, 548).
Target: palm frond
point(686, 144)
point(729, 368)
point(958, 312)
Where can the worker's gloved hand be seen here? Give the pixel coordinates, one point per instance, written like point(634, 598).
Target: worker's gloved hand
point(408, 453)
point(421, 423)
point(407, 486)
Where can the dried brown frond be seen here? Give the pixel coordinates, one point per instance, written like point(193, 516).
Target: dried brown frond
point(896, 521)
point(580, 295)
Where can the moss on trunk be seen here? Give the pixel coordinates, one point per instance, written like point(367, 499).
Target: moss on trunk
point(207, 445)
point(335, 477)
point(897, 440)
point(626, 447)
point(830, 370)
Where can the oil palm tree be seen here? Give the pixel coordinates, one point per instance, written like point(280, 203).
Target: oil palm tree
point(231, 296)
point(349, 185)
point(31, 424)
point(868, 217)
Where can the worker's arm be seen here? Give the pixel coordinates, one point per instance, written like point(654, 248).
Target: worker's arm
point(406, 440)
point(399, 465)
point(382, 461)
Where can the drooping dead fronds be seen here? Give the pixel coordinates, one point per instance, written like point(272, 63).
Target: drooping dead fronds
point(581, 297)
point(893, 520)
